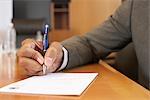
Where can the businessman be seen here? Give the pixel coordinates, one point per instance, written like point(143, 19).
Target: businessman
point(130, 23)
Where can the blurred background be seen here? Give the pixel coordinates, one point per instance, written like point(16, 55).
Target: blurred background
point(66, 17)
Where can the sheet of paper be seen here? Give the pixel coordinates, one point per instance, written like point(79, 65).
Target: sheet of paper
point(53, 84)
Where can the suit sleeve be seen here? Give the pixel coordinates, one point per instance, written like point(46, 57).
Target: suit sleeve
point(112, 35)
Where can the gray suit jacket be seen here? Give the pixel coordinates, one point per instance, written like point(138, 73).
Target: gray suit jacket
point(129, 23)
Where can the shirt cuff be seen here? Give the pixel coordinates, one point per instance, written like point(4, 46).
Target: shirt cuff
point(65, 59)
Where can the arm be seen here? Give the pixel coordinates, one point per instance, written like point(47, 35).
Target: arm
point(112, 35)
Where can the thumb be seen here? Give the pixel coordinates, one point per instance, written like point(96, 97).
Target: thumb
point(50, 56)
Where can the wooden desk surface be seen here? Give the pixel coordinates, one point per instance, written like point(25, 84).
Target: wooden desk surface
point(109, 85)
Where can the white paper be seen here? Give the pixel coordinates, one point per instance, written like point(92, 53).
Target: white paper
point(54, 84)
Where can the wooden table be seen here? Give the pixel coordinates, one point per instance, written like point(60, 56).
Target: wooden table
point(109, 85)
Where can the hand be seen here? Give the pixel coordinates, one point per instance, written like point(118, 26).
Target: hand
point(31, 59)
point(53, 57)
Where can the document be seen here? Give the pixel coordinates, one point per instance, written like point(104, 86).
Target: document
point(52, 84)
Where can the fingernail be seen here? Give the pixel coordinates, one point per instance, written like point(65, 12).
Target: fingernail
point(48, 61)
point(40, 60)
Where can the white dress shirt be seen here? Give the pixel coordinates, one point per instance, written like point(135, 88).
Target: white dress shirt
point(65, 59)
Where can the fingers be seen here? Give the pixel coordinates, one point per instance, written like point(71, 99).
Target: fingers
point(53, 56)
point(30, 58)
point(32, 43)
point(30, 53)
point(31, 66)
point(55, 65)
point(28, 50)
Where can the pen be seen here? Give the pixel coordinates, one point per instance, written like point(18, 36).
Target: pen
point(45, 38)
point(45, 45)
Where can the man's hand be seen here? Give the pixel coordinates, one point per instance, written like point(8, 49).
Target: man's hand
point(53, 57)
point(32, 60)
